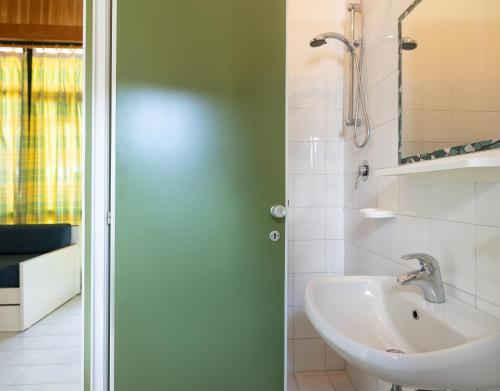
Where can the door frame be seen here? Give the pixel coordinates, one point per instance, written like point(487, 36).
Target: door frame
point(99, 336)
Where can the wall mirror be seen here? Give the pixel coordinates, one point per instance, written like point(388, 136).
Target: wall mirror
point(449, 78)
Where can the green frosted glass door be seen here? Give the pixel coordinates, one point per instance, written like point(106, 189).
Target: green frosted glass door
point(200, 157)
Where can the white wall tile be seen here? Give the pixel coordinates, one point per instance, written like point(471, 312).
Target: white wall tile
point(383, 100)
point(335, 191)
point(309, 355)
point(334, 157)
point(351, 225)
point(368, 193)
point(302, 326)
point(309, 93)
point(351, 195)
point(309, 223)
point(307, 157)
point(453, 245)
point(334, 124)
point(386, 237)
point(367, 263)
point(381, 62)
point(335, 256)
point(367, 233)
point(289, 256)
point(383, 146)
point(333, 361)
point(488, 264)
point(487, 204)
point(300, 282)
point(334, 223)
point(308, 125)
point(453, 202)
point(290, 290)
point(309, 256)
point(414, 200)
point(309, 191)
point(387, 193)
point(414, 235)
point(386, 267)
point(334, 93)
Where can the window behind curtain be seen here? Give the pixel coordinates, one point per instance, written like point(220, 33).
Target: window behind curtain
point(48, 173)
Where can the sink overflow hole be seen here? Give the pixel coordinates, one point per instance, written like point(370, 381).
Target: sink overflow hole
point(397, 351)
point(415, 315)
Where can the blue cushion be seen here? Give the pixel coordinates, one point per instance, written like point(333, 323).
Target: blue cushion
point(9, 276)
point(34, 239)
point(9, 269)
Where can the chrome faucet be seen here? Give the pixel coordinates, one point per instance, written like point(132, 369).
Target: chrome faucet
point(428, 278)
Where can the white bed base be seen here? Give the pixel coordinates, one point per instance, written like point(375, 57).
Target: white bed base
point(45, 283)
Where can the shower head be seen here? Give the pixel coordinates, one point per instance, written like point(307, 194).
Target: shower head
point(408, 43)
point(320, 40)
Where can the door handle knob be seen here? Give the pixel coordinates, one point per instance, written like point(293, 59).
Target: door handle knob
point(278, 211)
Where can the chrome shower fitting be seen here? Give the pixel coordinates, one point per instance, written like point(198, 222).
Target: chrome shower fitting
point(354, 46)
point(363, 173)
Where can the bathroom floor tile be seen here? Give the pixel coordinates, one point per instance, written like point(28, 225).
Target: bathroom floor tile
point(314, 381)
point(291, 383)
point(341, 381)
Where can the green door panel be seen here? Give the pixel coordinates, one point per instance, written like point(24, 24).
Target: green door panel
point(199, 160)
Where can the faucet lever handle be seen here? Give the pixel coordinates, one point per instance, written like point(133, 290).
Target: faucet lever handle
point(363, 172)
point(428, 263)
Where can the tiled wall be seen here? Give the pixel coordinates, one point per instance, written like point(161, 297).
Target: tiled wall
point(457, 223)
point(315, 171)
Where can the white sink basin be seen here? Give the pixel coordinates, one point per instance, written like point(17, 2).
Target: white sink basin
point(450, 345)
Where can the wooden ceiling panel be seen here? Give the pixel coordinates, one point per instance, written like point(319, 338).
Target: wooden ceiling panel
point(41, 20)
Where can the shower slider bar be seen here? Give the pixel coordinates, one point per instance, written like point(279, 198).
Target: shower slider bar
point(352, 8)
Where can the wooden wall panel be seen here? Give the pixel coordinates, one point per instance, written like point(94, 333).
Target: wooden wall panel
point(25, 19)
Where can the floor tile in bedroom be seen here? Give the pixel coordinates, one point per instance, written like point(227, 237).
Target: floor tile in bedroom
point(46, 357)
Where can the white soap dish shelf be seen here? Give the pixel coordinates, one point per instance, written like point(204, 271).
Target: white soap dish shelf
point(377, 213)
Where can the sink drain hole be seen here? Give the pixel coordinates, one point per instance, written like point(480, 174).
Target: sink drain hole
point(415, 315)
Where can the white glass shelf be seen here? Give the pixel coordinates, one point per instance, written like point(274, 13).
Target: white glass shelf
point(472, 167)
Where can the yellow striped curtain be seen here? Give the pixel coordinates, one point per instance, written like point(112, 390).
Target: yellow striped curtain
point(46, 169)
point(13, 122)
point(51, 161)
